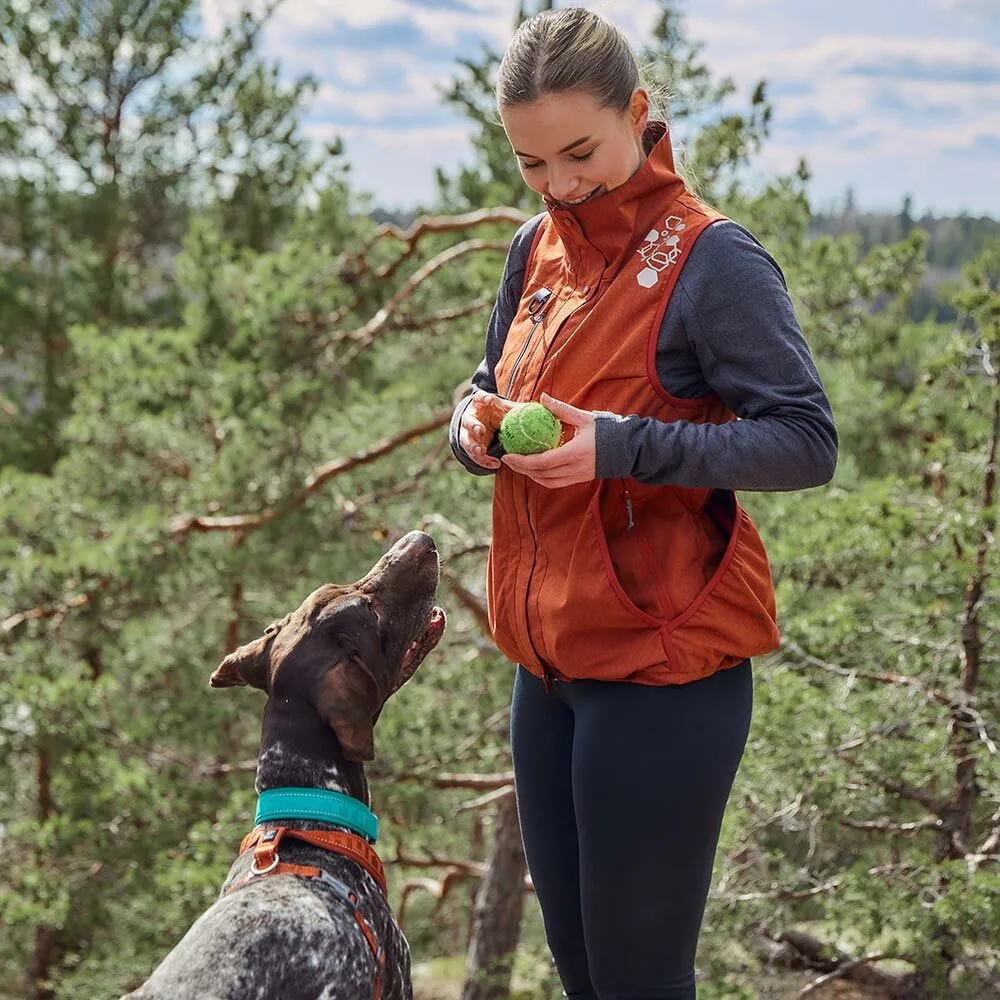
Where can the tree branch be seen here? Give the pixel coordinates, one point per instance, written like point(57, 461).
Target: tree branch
point(431, 224)
point(43, 611)
point(185, 524)
point(471, 602)
point(488, 799)
point(901, 789)
point(846, 970)
point(885, 826)
point(363, 336)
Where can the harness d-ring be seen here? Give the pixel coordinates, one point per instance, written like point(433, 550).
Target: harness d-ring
point(254, 870)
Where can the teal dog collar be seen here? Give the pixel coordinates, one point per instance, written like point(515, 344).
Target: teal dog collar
point(319, 804)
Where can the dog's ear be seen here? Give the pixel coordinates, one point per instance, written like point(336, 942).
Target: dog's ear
point(348, 700)
point(250, 663)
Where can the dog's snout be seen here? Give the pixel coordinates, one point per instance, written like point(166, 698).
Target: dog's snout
point(418, 540)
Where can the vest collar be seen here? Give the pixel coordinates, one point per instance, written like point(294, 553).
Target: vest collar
point(610, 222)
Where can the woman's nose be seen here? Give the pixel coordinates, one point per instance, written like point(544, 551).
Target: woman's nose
point(563, 187)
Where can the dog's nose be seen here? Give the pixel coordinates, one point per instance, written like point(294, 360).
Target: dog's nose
point(417, 540)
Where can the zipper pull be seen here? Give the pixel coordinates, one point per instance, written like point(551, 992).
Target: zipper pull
point(536, 306)
point(628, 510)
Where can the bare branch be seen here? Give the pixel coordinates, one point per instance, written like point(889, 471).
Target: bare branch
point(845, 970)
point(778, 893)
point(431, 224)
point(185, 524)
point(490, 725)
point(44, 611)
point(975, 860)
point(471, 602)
point(470, 781)
point(992, 841)
point(885, 826)
point(476, 547)
point(782, 894)
point(224, 770)
point(462, 869)
point(364, 335)
point(808, 660)
point(441, 316)
point(387, 445)
point(488, 799)
point(904, 790)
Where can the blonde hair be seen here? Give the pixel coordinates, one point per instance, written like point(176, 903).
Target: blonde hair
point(570, 49)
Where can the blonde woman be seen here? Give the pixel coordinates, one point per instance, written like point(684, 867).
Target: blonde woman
point(625, 578)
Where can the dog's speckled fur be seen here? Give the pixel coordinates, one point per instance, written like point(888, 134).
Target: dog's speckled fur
point(328, 669)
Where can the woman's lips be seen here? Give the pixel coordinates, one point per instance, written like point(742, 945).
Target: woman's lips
point(579, 201)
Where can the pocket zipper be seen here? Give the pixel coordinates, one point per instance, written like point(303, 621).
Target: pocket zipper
point(628, 510)
point(536, 309)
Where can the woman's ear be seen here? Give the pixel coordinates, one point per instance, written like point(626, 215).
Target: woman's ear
point(639, 111)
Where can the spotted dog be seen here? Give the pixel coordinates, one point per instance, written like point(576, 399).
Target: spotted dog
point(327, 668)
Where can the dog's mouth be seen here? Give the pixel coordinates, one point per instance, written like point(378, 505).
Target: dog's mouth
point(424, 642)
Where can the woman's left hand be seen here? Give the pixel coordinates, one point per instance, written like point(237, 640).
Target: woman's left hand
point(570, 463)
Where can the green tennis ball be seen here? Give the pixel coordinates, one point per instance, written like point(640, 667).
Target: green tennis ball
point(529, 429)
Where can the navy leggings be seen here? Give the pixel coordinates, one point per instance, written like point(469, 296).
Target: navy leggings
point(620, 792)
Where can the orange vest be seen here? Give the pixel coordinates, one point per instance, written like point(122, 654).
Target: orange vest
point(615, 579)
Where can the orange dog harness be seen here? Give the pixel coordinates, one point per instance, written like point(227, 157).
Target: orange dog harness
point(264, 841)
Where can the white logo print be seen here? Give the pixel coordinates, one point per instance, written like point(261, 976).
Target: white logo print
point(659, 251)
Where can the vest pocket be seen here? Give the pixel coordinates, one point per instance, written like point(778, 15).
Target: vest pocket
point(629, 563)
point(723, 612)
point(734, 615)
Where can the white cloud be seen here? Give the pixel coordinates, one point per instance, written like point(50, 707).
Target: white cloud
point(975, 11)
point(489, 18)
point(419, 97)
point(898, 105)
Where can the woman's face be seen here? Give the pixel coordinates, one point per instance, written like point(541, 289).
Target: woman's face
point(570, 149)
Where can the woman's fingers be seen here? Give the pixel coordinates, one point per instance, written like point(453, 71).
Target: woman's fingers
point(490, 409)
point(474, 438)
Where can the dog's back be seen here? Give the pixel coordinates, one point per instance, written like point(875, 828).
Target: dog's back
point(280, 938)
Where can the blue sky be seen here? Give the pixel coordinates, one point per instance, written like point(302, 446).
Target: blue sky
point(892, 97)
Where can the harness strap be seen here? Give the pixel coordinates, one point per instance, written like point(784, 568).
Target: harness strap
point(266, 862)
point(265, 842)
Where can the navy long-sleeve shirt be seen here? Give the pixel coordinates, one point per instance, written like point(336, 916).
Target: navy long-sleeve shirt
point(730, 329)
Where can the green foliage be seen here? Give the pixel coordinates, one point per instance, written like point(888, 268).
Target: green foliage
point(121, 122)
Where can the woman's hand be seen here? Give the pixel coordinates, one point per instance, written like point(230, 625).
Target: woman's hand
point(570, 463)
point(479, 423)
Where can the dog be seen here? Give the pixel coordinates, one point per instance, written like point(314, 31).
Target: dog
point(297, 920)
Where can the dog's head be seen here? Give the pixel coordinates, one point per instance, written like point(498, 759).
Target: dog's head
point(348, 648)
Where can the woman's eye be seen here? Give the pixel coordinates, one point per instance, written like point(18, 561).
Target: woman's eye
point(586, 156)
point(530, 166)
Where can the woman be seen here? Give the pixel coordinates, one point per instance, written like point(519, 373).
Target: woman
point(625, 579)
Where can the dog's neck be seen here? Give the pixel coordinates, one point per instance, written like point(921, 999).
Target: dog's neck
point(299, 750)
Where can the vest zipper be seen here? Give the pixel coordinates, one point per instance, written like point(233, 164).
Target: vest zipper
point(536, 309)
point(547, 675)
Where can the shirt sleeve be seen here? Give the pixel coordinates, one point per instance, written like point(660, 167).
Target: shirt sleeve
point(739, 321)
point(504, 309)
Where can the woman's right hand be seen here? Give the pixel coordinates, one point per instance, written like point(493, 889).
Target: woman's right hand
point(479, 424)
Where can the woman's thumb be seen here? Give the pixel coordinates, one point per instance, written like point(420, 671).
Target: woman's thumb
point(563, 410)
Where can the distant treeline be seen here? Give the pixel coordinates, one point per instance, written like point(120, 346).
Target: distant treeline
point(953, 242)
